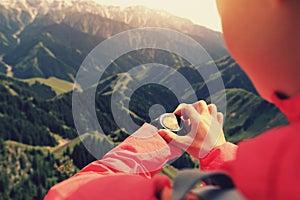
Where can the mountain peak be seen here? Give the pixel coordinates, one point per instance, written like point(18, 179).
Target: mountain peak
point(44, 6)
point(126, 15)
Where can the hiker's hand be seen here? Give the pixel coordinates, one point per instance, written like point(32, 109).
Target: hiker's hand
point(206, 129)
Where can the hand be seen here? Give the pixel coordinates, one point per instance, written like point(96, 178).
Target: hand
point(206, 129)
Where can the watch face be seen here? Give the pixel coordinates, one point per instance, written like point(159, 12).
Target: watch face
point(170, 121)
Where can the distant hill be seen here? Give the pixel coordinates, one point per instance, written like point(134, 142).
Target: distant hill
point(58, 85)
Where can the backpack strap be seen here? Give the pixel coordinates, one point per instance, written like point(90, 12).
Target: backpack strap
point(219, 186)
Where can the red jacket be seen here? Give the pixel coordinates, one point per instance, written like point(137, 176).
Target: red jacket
point(265, 167)
point(124, 173)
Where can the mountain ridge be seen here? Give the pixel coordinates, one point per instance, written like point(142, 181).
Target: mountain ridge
point(133, 17)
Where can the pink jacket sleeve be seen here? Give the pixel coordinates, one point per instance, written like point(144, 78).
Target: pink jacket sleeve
point(143, 153)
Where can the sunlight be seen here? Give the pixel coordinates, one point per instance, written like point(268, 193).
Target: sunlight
point(202, 12)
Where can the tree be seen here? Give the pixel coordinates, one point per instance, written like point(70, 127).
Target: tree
point(2, 146)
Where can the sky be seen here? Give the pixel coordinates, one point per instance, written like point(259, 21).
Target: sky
point(202, 12)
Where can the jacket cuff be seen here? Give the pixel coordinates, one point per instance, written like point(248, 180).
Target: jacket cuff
point(218, 156)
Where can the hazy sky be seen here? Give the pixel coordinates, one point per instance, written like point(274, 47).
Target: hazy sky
point(203, 12)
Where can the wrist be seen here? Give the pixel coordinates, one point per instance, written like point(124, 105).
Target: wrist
point(218, 155)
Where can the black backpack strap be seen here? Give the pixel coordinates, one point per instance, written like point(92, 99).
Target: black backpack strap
point(219, 186)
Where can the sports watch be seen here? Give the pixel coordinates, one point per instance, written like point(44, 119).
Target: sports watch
point(172, 122)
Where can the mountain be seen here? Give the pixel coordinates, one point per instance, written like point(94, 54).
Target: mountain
point(62, 33)
point(247, 114)
point(42, 45)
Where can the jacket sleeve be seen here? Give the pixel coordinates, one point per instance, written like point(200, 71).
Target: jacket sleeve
point(143, 153)
point(219, 158)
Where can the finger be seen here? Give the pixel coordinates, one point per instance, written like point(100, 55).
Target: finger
point(220, 117)
point(188, 111)
point(201, 107)
point(167, 135)
point(212, 108)
point(179, 108)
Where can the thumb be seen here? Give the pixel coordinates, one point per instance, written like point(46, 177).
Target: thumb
point(167, 135)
